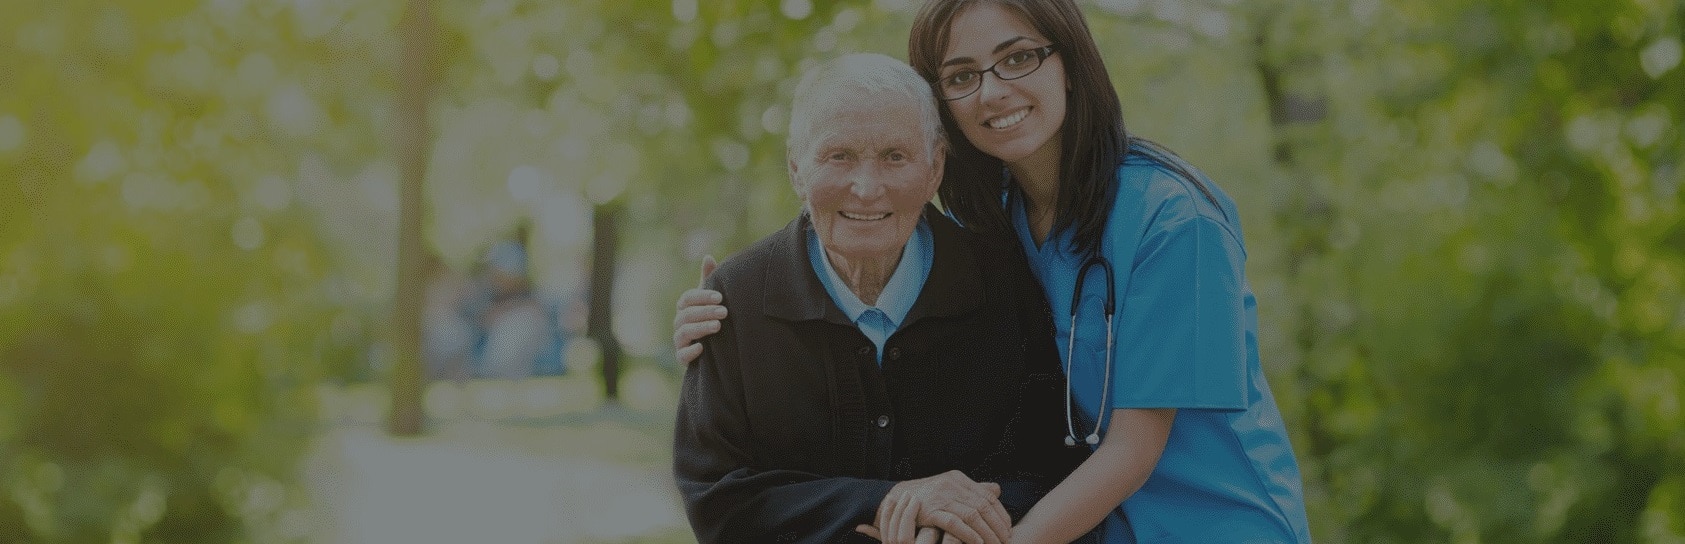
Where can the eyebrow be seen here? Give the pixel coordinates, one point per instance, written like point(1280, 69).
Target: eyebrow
point(998, 49)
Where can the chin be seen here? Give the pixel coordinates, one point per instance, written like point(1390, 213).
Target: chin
point(1007, 154)
point(1020, 149)
point(1009, 150)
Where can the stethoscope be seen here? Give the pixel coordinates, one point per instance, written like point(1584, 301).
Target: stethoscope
point(1094, 259)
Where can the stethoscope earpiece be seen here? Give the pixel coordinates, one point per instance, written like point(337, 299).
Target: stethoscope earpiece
point(1070, 440)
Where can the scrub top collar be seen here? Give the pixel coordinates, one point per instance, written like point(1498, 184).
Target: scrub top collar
point(1053, 247)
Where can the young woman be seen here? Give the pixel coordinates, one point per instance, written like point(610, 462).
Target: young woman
point(1141, 258)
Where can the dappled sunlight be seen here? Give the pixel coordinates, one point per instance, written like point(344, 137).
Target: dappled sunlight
point(1465, 225)
point(11, 133)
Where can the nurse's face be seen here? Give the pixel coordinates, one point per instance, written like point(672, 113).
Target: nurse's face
point(867, 174)
point(1012, 120)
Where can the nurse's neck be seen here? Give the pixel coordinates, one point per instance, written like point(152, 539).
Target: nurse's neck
point(1039, 179)
point(865, 276)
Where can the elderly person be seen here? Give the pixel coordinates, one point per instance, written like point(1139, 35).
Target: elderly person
point(883, 369)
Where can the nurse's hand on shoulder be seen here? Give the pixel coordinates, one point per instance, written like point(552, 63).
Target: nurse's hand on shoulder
point(699, 314)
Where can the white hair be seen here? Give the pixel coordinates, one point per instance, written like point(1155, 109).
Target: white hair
point(833, 81)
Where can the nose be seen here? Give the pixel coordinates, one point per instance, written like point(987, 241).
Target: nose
point(987, 90)
point(865, 184)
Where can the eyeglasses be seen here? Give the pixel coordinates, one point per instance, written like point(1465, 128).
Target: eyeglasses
point(1018, 64)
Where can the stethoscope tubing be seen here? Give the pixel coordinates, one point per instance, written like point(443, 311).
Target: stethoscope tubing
point(1094, 259)
point(1093, 438)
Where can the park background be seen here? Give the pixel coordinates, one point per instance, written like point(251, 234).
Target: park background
point(1463, 220)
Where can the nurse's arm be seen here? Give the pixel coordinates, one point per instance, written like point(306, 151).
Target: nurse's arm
point(1133, 443)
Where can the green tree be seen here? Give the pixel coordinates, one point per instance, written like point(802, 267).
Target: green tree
point(1477, 242)
point(168, 293)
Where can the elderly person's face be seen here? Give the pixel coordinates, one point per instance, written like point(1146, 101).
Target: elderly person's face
point(867, 175)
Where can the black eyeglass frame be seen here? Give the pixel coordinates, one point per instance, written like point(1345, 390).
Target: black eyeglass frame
point(1041, 58)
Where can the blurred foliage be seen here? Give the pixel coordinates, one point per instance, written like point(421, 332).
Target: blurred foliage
point(1482, 245)
point(166, 298)
point(1464, 223)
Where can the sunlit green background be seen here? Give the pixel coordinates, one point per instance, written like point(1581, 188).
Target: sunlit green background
point(1463, 221)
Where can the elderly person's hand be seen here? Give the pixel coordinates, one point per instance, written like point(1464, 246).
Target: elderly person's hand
point(927, 535)
point(699, 314)
point(963, 509)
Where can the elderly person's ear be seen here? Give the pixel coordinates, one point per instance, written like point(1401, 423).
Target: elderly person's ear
point(795, 182)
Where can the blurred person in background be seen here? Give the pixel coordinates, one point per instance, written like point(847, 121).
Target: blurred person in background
point(518, 333)
point(515, 325)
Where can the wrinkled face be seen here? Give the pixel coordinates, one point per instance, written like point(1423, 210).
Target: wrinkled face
point(867, 175)
point(1012, 120)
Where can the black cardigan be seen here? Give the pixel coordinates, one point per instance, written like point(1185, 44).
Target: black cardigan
point(789, 432)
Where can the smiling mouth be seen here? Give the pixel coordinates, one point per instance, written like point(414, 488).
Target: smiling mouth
point(864, 217)
point(1007, 121)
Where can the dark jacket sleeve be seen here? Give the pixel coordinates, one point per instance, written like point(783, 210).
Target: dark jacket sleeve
point(1036, 458)
point(730, 493)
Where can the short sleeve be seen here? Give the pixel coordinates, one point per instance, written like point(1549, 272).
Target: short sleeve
point(1181, 338)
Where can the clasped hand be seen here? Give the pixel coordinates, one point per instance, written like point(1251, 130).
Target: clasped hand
point(962, 509)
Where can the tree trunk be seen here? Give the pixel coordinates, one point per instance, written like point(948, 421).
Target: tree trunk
point(605, 243)
point(407, 416)
point(1305, 219)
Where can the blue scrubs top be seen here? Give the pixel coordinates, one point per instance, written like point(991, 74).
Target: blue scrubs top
point(1186, 338)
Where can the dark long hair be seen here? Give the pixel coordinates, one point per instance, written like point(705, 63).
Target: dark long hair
point(1094, 138)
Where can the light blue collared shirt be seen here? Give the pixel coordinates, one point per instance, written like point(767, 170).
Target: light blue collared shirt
point(878, 322)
